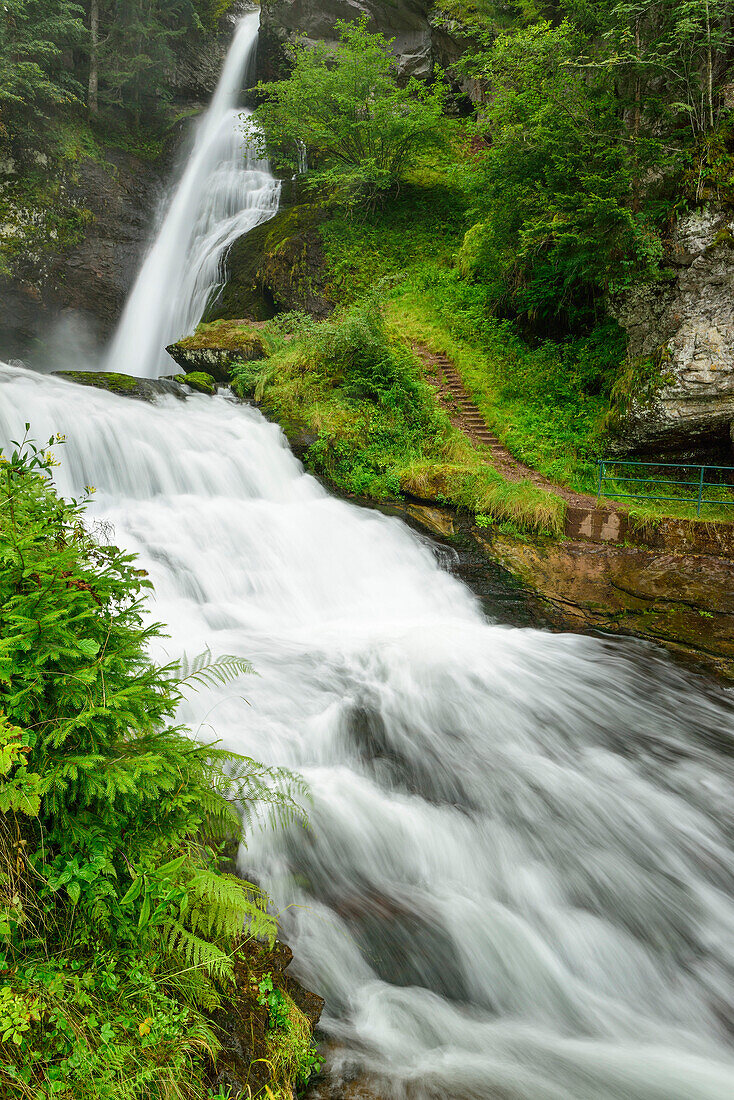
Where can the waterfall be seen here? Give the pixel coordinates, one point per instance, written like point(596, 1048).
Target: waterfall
point(224, 192)
point(519, 878)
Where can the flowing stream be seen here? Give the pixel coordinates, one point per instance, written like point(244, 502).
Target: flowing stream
point(519, 878)
point(224, 192)
point(518, 881)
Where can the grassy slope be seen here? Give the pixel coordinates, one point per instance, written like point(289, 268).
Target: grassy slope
point(547, 401)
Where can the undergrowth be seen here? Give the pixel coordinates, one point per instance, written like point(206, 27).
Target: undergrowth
point(373, 426)
point(119, 933)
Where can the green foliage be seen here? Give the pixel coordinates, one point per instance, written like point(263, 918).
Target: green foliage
point(379, 432)
point(275, 1002)
point(291, 1049)
point(546, 402)
point(344, 108)
point(590, 126)
point(34, 79)
point(137, 49)
point(555, 186)
point(117, 929)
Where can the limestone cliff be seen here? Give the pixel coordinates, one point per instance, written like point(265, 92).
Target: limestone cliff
point(678, 392)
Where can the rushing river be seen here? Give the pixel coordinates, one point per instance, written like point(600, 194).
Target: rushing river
point(519, 878)
point(518, 881)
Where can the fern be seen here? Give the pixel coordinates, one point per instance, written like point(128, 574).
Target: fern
point(207, 671)
point(196, 952)
point(221, 905)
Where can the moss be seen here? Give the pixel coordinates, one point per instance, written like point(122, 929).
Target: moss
point(225, 336)
point(101, 380)
point(638, 383)
point(279, 264)
point(202, 383)
point(725, 237)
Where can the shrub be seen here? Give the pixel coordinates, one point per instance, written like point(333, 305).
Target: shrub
point(117, 928)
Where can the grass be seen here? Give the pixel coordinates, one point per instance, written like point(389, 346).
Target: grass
point(539, 400)
point(373, 425)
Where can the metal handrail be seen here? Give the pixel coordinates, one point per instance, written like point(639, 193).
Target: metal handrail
point(699, 483)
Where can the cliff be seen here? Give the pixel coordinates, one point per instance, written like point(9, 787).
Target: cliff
point(678, 391)
point(422, 39)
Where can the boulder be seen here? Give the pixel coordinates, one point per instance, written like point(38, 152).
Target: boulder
point(125, 385)
point(215, 347)
point(677, 393)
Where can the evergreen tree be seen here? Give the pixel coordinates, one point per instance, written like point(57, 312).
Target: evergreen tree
point(35, 80)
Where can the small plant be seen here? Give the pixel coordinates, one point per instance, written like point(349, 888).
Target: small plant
point(274, 1001)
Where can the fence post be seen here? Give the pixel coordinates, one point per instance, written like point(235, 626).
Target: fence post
point(700, 491)
point(601, 477)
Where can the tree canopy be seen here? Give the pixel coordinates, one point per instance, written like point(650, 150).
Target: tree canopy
point(344, 109)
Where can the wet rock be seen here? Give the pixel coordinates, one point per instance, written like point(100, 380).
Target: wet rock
point(89, 277)
point(244, 1065)
point(125, 385)
point(678, 392)
point(214, 348)
point(684, 601)
point(278, 266)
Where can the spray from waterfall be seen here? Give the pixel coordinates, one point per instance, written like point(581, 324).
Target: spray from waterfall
point(223, 193)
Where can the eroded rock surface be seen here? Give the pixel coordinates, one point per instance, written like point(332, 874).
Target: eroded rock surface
point(681, 349)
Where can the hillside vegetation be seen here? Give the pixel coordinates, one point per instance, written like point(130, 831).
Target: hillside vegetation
point(500, 237)
point(120, 934)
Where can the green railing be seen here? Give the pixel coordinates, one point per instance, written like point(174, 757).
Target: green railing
point(698, 483)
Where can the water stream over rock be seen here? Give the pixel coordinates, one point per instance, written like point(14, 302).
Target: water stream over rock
point(519, 878)
point(224, 192)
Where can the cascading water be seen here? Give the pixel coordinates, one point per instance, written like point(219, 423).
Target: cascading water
point(224, 192)
point(519, 880)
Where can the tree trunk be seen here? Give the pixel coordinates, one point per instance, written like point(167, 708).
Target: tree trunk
point(92, 95)
point(709, 68)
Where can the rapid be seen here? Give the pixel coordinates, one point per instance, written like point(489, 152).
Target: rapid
point(518, 881)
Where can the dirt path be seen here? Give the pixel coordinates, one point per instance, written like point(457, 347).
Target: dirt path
point(464, 414)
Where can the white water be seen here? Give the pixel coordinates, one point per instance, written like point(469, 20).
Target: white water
point(224, 192)
point(519, 880)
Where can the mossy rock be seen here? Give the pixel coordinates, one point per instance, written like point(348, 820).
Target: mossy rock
point(202, 383)
point(116, 383)
point(125, 385)
point(279, 264)
point(226, 336)
point(215, 347)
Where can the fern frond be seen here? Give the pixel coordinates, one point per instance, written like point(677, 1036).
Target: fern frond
point(264, 795)
point(196, 952)
point(222, 905)
point(207, 671)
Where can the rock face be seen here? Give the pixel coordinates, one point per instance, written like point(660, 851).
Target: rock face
point(198, 66)
point(91, 277)
point(680, 376)
point(421, 40)
point(277, 266)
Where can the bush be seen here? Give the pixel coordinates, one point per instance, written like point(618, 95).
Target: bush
point(117, 928)
point(344, 108)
